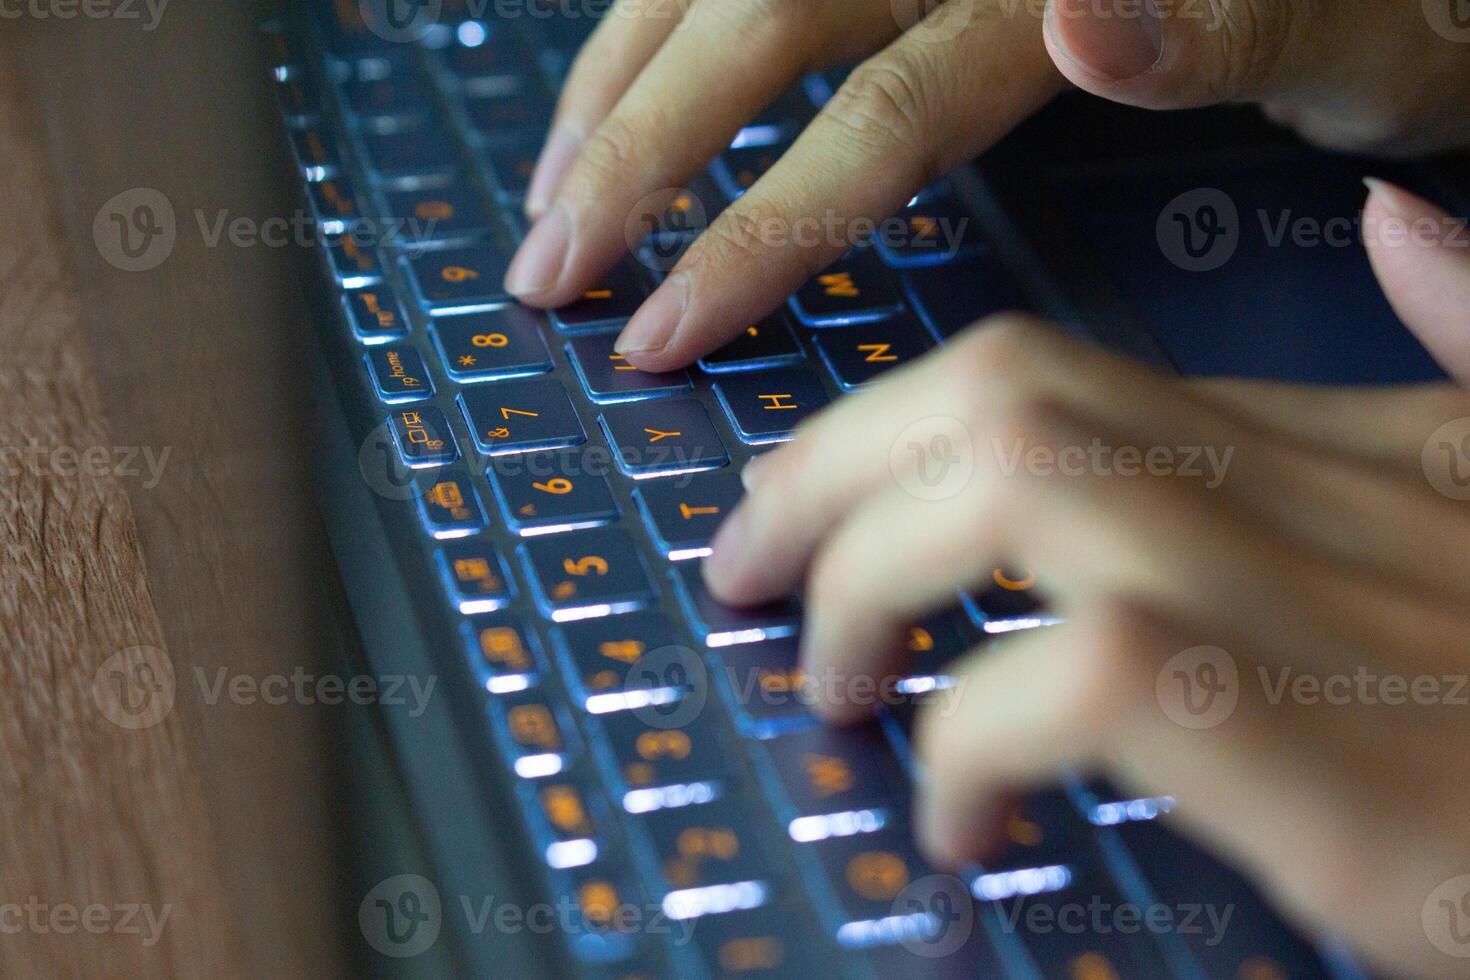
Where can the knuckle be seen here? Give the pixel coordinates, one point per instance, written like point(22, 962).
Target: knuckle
point(1254, 38)
point(611, 153)
point(889, 103)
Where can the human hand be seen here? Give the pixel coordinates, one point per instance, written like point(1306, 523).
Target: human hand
point(658, 91)
point(1335, 544)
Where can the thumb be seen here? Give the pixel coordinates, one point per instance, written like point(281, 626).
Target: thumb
point(1178, 54)
point(1422, 258)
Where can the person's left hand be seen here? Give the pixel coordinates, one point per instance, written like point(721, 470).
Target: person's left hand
point(1328, 531)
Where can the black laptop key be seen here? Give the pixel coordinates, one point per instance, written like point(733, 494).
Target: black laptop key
point(929, 232)
point(765, 344)
point(423, 436)
point(474, 576)
point(551, 491)
point(375, 316)
point(951, 297)
point(739, 168)
point(857, 355)
point(513, 163)
point(563, 823)
point(765, 688)
point(316, 154)
point(605, 665)
point(937, 641)
point(335, 204)
point(767, 943)
point(509, 112)
point(451, 507)
point(413, 156)
point(766, 406)
point(460, 280)
point(607, 377)
point(606, 304)
point(399, 373)
point(587, 573)
point(502, 653)
point(518, 416)
point(683, 515)
point(720, 625)
point(702, 849)
point(494, 345)
point(867, 875)
point(354, 262)
point(667, 759)
point(854, 289)
point(417, 217)
point(1094, 946)
point(836, 781)
point(536, 737)
point(400, 98)
point(664, 435)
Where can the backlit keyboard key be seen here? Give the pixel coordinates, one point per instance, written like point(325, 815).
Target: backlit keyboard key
point(605, 305)
point(836, 782)
point(688, 213)
point(710, 858)
point(436, 215)
point(513, 163)
point(602, 657)
point(683, 515)
point(663, 436)
point(607, 377)
point(951, 297)
point(460, 280)
point(606, 917)
point(536, 736)
point(375, 316)
point(508, 113)
point(664, 761)
point(855, 289)
point(502, 653)
point(474, 576)
point(518, 416)
point(336, 205)
point(764, 344)
point(1083, 951)
point(587, 573)
point(563, 827)
point(857, 355)
point(768, 943)
point(553, 491)
point(766, 406)
point(355, 263)
point(928, 233)
point(409, 158)
point(423, 437)
point(720, 625)
point(316, 154)
point(496, 345)
point(738, 169)
point(766, 689)
point(450, 507)
point(867, 873)
point(400, 98)
point(399, 374)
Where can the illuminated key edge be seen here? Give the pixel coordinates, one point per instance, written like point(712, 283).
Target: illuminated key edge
point(691, 903)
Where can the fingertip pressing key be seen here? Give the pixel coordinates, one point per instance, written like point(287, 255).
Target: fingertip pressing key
point(654, 324)
point(537, 268)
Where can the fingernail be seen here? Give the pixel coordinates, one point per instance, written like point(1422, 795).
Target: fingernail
point(1399, 202)
point(751, 473)
point(538, 264)
point(726, 550)
point(656, 320)
point(1109, 41)
point(561, 148)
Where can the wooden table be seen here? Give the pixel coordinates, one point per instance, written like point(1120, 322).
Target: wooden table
point(223, 815)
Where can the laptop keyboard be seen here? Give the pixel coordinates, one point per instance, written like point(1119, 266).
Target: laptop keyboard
point(659, 746)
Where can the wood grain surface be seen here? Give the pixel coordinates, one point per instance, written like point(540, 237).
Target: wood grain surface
point(154, 493)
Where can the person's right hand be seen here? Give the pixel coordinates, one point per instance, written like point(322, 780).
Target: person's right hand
point(657, 92)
